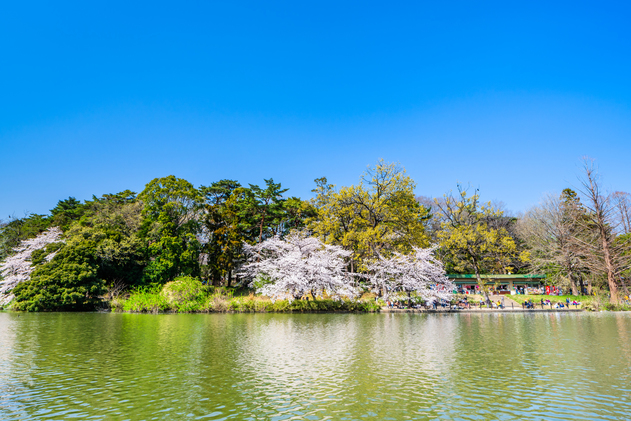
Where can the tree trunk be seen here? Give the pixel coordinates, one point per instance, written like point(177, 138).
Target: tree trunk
point(611, 275)
point(261, 228)
point(479, 278)
point(570, 275)
point(573, 283)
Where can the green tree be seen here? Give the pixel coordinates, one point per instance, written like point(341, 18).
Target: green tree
point(266, 207)
point(377, 217)
point(469, 242)
point(68, 282)
point(170, 227)
point(296, 214)
point(66, 212)
point(234, 215)
point(223, 230)
point(113, 223)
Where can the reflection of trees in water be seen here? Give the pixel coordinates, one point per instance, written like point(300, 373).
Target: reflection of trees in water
point(422, 343)
point(410, 360)
point(537, 365)
point(485, 366)
point(296, 364)
point(113, 365)
point(11, 385)
point(623, 326)
point(29, 344)
point(345, 365)
point(258, 366)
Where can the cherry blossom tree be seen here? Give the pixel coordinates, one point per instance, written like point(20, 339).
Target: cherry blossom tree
point(297, 265)
point(18, 267)
point(419, 272)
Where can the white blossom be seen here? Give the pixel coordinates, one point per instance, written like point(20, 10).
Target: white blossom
point(298, 265)
point(418, 272)
point(18, 267)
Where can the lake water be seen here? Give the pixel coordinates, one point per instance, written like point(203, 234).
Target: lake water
point(315, 366)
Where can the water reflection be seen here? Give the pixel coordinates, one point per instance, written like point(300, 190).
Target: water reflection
point(315, 366)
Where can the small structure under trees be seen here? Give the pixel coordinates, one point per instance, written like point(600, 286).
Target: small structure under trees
point(469, 238)
point(503, 284)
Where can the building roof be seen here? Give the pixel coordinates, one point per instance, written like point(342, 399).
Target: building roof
point(491, 276)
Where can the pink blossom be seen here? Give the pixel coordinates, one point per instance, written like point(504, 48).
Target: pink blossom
point(298, 265)
point(18, 267)
point(418, 272)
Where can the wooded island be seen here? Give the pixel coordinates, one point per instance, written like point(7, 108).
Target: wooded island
point(147, 251)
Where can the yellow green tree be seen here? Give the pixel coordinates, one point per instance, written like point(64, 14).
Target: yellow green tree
point(378, 216)
point(471, 241)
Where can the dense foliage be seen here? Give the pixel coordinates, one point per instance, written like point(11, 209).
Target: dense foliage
point(374, 236)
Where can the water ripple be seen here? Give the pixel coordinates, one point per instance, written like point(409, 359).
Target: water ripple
point(315, 367)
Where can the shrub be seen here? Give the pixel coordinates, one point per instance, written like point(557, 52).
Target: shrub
point(146, 299)
point(184, 289)
point(187, 295)
point(214, 303)
point(68, 282)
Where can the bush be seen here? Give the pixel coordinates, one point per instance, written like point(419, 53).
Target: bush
point(184, 289)
point(216, 303)
point(284, 306)
point(146, 299)
point(68, 282)
point(188, 295)
point(183, 295)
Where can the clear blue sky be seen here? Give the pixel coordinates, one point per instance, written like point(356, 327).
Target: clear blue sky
point(98, 97)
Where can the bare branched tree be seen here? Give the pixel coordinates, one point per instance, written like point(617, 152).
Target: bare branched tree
point(605, 255)
point(435, 216)
point(115, 288)
point(549, 230)
point(621, 201)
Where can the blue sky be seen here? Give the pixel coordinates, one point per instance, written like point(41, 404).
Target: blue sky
point(98, 97)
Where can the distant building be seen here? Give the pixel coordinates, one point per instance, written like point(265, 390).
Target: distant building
point(503, 284)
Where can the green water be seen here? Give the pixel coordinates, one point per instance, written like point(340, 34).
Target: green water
point(315, 366)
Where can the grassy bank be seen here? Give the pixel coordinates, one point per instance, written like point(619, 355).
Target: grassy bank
point(210, 300)
point(583, 299)
point(587, 302)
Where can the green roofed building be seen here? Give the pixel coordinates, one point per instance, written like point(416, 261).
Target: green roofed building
point(502, 284)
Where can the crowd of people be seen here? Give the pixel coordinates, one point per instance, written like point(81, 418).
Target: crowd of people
point(463, 303)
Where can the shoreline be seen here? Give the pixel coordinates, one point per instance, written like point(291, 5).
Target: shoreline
point(484, 310)
point(382, 311)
